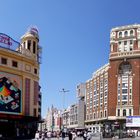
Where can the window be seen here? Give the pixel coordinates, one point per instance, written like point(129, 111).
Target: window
point(120, 34)
point(131, 33)
point(125, 42)
point(94, 115)
point(123, 83)
point(24, 45)
point(4, 61)
point(29, 45)
point(130, 112)
point(35, 71)
point(105, 113)
point(131, 48)
point(124, 103)
point(125, 33)
point(124, 91)
point(131, 42)
point(118, 112)
point(34, 47)
point(124, 112)
point(35, 113)
point(101, 114)
point(15, 64)
point(124, 97)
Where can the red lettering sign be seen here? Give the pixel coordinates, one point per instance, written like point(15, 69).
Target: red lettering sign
point(5, 40)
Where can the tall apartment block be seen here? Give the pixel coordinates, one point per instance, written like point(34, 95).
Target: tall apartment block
point(113, 92)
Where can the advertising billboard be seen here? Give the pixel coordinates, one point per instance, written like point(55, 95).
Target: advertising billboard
point(133, 121)
point(10, 93)
point(7, 42)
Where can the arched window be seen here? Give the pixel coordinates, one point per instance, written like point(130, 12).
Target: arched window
point(120, 34)
point(125, 68)
point(125, 33)
point(29, 45)
point(101, 115)
point(131, 33)
point(105, 113)
point(94, 116)
point(118, 112)
point(124, 80)
point(34, 47)
point(124, 112)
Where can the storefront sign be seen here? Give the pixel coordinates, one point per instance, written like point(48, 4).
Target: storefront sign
point(8, 42)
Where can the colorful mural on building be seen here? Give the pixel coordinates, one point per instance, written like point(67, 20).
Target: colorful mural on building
point(10, 93)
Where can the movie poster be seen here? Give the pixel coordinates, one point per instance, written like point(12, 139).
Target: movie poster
point(10, 93)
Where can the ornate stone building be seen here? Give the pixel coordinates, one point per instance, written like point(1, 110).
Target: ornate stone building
point(20, 96)
point(113, 92)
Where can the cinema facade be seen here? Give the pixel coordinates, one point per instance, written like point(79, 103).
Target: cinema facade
point(113, 91)
point(20, 96)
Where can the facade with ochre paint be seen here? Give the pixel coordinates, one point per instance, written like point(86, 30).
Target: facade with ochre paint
point(20, 96)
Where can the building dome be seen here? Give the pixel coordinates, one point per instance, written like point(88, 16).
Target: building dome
point(31, 32)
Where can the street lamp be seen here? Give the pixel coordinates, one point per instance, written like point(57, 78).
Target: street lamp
point(63, 91)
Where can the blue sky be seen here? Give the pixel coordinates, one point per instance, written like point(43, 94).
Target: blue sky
point(74, 35)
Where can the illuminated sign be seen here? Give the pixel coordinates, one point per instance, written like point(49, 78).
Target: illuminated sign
point(8, 42)
point(133, 121)
point(10, 93)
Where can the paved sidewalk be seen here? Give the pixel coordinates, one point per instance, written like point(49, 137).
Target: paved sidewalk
point(94, 138)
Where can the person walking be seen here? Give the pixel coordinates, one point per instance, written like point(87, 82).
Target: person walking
point(37, 135)
point(63, 135)
point(70, 135)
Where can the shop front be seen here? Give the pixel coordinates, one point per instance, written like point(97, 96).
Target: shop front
point(17, 126)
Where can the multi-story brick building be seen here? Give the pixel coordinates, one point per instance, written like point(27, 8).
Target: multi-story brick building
point(113, 92)
point(97, 99)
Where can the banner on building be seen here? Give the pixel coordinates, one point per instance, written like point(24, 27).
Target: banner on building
point(10, 93)
point(133, 121)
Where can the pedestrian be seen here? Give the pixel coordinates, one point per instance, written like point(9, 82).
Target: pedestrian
point(43, 135)
point(37, 135)
point(58, 134)
point(70, 135)
point(49, 134)
point(88, 135)
point(74, 135)
point(85, 135)
point(63, 135)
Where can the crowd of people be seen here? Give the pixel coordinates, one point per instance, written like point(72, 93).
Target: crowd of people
point(71, 134)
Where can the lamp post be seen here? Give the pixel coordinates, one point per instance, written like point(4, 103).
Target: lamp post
point(63, 91)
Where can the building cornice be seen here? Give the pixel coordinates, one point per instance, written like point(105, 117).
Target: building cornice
point(125, 27)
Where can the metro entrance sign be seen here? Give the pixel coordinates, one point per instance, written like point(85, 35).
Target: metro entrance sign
point(7, 42)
